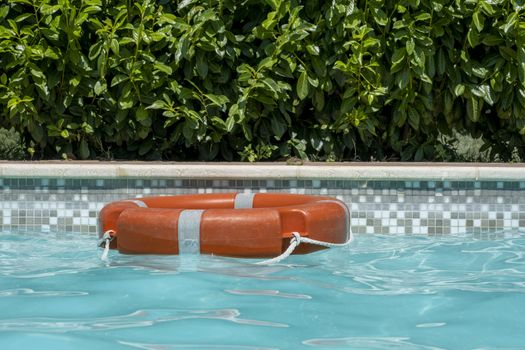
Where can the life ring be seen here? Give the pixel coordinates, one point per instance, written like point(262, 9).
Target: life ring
point(226, 224)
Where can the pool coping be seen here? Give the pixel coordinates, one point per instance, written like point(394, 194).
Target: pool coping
point(247, 171)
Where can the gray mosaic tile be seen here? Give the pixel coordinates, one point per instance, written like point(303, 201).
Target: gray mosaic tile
point(388, 207)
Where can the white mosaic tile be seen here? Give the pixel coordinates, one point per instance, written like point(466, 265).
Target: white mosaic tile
point(408, 207)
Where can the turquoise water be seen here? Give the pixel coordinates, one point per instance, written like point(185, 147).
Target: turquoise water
point(382, 292)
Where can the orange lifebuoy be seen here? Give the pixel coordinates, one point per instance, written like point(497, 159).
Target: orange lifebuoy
point(227, 224)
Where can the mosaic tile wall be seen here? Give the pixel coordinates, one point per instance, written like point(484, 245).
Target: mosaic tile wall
point(387, 207)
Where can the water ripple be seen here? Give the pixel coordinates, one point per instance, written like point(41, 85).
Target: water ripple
point(431, 325)
point(396, 265)
point(267, 292)
point(149, 346)
point(28, 292)
point(139, 318)
point(372, 343)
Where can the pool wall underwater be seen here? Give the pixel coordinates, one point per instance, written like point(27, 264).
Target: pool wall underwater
point(393, 198)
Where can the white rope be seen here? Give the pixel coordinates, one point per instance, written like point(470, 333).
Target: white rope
point(298, 239)
point(105, 240)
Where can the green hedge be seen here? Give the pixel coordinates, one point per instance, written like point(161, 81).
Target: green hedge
point(262, 79)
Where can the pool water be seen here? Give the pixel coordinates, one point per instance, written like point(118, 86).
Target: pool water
point(381, 292)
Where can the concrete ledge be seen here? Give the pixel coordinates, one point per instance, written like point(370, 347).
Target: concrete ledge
point(326, 171)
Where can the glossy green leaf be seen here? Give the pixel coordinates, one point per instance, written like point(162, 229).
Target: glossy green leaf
point(100, 87)
point(510, 22)
point(164, 68)
point(398, 60)
point(95, 50)
point(473, 108)
point(46, 9)
point(159, 104)
point(218, 100)
point(424, 16)
point(302, 86)
point(230, 123)
point(410, 45)
point(4, 11)
point(114, 46)
point(119, 78)
point(473, 38)
point(313, 50)
point(459, 90)
point(478, 20)
point(484, 91)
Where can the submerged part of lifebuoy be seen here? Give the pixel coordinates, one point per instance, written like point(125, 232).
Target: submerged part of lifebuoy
point(227, 224)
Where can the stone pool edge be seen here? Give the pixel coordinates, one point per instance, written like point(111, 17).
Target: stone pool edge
point(247, 171)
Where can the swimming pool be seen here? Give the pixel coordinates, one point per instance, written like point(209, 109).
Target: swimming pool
point(381, 292)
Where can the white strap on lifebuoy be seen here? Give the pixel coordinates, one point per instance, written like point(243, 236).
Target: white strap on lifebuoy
point(189, 231)
point(137, 202)
point(243, 200)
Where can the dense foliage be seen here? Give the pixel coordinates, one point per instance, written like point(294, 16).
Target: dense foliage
point(10, 145)
point(262, 79)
